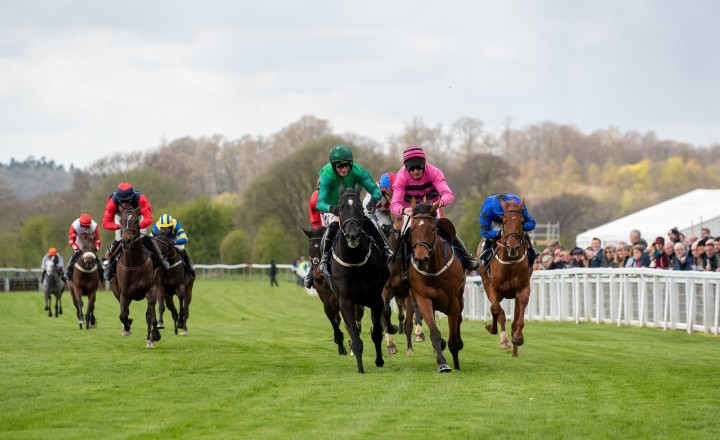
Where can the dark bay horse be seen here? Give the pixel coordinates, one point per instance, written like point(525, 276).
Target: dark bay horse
point(437, 279)
point(330, 302)
point(133, 280)
point(395, 288)
point(171, 282)
point(509, 275)
point(85, 282)
point(358, 272)
point(53, 285)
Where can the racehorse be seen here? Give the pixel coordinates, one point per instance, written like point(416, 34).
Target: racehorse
point(396, 288)
point(328, 298)
point(53, 284)
point(171, 282)
point(358, 272)
point(437, 278)
point(133, 280)
point(85, 283)
point(509, 275)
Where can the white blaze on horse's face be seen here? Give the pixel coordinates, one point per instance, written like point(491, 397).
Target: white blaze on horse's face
point(422, 222)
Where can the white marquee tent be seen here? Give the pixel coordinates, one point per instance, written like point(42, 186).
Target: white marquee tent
point(689, 212)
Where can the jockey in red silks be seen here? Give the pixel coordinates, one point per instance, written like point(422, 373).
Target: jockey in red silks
point(83, 229)
point(125, 197)
point(420, 180)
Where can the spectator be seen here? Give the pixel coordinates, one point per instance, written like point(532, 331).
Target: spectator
point(595, 258)
point(622, 255)
point(637, 240)
point(578, 256)
point(683, 259)
point(711, 256)
point(273, 274)
point(670, 252)
point(696, 260)
point(567, 259)
point(637, 257)
point(658, 255)
point(704, 232)
point(609, 257)
point(674, 235)
point(558, 261)
point(547, 261)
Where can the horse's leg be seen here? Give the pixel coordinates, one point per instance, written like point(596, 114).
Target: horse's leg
point(59, 301)
point(454, 318)
point(521, 302)
point(46, 293)
point(387, 296)
point(428, 314)
point(169, 303)
point(376, 331)
point(419, 334)
point(125, 314)
point(187, 298)
point(153, 333)
point(408, 324)
point(90, 315)
point(161, 312)
point(57, 306)
point(332, 311)
point(181, 307)
point(348, 312)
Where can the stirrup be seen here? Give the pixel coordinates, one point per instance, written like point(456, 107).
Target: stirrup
point(164, 263)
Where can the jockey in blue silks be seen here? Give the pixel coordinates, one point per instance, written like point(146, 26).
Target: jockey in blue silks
point(491, 225)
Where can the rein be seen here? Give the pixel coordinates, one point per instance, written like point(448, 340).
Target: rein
point(521, 241)
point(431, 248)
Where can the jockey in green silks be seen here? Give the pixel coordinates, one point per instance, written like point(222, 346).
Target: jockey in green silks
point(343, 170)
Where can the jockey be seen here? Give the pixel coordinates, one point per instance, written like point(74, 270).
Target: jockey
point(52, 254)
point(85, 229)
point(125, 197)
point(177, 233)
point(420, 180)
point(342, 170)
point(317, 218)
point(382, 212)
point(491, 224)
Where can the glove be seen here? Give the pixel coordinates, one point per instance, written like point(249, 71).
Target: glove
point(372, 205)
point(332, 209)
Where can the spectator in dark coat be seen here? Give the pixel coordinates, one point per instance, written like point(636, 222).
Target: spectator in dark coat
point(273, 274)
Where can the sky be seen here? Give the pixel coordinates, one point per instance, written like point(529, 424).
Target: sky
point(81, 80)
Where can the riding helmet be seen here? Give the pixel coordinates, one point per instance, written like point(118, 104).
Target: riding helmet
point(85, 220)
point(52, 252)
point(413, 156)
point(124, 192)
point(166, 221)
point(387, 181)
point(340, 153)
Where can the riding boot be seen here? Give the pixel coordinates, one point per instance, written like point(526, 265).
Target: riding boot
point(71, 265)
point(101, 271)
point(308, 280)
point(470, 262)
point(486, 252)
point(110, 253)
point(110, 270)
point(326, 244)
point(379, 238)
point(186, 260)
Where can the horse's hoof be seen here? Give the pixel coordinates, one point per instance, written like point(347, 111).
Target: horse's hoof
point(161, 325)
point(518, 341)
point(391, 349)
point(342, 351)
point(47, 308)
point(379, 362)
point(149, 344)
point(183, 332)
point(419, 337)
point(155, 335)
point(504, 346)
point(410, 352)
point(126, 333)
point(444, 368)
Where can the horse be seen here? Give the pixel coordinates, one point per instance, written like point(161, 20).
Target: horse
point(133, 280)
point(53, 284)
point(172, 282)
point(437, 278)
point(509, 275)
point(358, 273)
point(396, 288)
point(85, 282)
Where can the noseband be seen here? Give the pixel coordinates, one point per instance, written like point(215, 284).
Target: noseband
point(430, 246)
point(520, 238)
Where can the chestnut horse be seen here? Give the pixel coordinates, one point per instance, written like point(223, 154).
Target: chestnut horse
point(509, 275)
point(328, 298)
point(358, 272)
point(171, 282)
point(437, 279)
point(396, 288)
point(133, 280)
point(85, 282)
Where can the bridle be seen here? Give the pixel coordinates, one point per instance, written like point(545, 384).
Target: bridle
point(430, 246)
point(520, 237)
point(135, 233)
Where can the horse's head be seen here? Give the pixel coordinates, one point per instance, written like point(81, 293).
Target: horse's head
point(130, 227)
point(165, 243)
point(88, 254)
point(314, 245)
point(350, 213)
point(513, 236)
point(50, 268)
point(423, 232)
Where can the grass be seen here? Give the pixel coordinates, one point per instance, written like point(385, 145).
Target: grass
point(261, 363)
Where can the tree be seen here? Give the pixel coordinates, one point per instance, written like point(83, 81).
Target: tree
point(235, 248)
point(38, 234)
point(206, 225)
point(468, 135)
point(271, 243)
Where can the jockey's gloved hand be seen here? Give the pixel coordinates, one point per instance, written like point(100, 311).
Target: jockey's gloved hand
point(372, 205)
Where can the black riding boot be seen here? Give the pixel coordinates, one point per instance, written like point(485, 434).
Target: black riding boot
point(71, 265)
point(112, 257)
point(486, 252)
point(533, 254)
point(470, 262)
point(308, 280)
point(186, 261)
point(380, 240)
point(101, 271)
point(150, 246)
point(327, 242)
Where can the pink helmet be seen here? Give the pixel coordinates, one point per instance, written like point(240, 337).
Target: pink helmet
point(413, 155)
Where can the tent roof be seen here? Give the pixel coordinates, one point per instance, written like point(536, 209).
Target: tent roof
point(688, 212)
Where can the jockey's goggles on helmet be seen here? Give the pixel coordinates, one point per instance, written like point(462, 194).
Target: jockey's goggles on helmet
point(345, 164)
point(415, 167)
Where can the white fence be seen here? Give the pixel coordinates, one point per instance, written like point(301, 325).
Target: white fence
point(639, 297)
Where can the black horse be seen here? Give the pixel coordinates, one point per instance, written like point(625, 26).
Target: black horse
point(358, 273)
point(171, 282)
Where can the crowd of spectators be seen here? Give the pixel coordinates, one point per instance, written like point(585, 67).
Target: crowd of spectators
point(677, 252)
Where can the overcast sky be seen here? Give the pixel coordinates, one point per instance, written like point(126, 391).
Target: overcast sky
point(80, 80)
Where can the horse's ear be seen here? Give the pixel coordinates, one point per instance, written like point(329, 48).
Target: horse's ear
point(306, 232)
point(413, 203)
point(434, 207)
point(522, 204)
point(341, 189)
point(357, 188)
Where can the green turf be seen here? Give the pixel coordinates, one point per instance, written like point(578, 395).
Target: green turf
point(260, 363)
